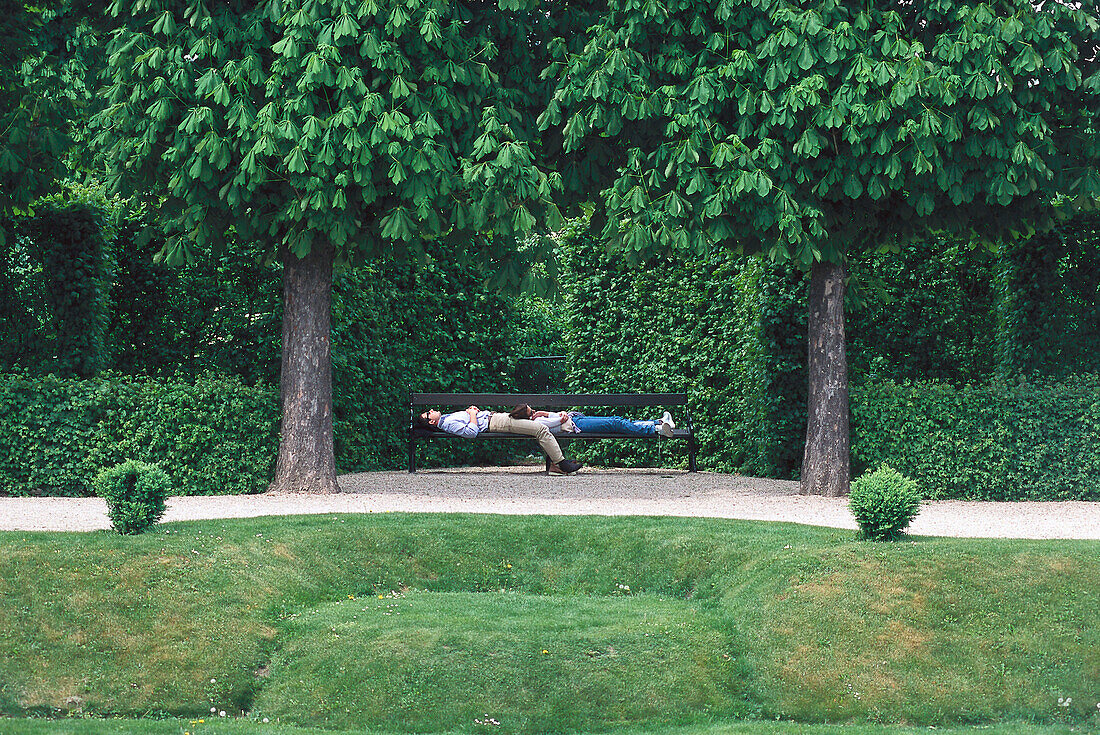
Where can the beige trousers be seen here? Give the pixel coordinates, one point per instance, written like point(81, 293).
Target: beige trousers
point(505, 424)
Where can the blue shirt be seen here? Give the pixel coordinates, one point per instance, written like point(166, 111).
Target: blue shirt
point(459, 423)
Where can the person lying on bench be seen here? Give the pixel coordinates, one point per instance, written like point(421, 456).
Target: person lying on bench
point(573, 421)
point(473, 421)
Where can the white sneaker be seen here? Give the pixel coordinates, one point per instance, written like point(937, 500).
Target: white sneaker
point(666, 425)
point(667, 419)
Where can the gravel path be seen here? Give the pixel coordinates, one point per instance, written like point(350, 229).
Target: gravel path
point(527, 490)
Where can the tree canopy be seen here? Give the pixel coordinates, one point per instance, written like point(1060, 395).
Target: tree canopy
point(373, 126)
point(809, 129)
point(44, 84)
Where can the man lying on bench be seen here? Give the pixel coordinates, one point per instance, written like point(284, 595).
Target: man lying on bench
point(473, 421)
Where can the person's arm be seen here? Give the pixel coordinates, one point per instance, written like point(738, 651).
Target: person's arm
point(550, 422)
point(462, 423)
point(551, 419)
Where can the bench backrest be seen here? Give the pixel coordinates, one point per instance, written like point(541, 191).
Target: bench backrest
point(538, 400)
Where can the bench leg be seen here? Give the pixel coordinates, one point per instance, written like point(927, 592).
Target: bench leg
point(691, 454)
point(412, 456)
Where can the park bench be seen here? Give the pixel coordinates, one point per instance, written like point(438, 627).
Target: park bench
point(419, 402)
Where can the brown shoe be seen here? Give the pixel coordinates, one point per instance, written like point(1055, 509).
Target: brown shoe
point(565, 467)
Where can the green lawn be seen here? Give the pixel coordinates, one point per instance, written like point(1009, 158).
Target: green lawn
point(238, 727)
point(432, 623)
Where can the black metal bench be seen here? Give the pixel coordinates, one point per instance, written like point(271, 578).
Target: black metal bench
point(418, 402)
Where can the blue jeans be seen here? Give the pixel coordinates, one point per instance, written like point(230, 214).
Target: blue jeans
point(614, 425)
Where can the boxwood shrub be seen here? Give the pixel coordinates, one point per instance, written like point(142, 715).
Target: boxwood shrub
point(884, 503)
point(135, 493)
point(213, 436)
point(1035, 439)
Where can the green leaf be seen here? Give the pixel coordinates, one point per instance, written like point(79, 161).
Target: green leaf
point(805, 57)
point(295, 161)
point(165, 25)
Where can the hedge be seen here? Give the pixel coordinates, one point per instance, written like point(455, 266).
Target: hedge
point(670, 327)
point(425, 327)
point(1029, 440)
point(1048, 287)
point(214, 436)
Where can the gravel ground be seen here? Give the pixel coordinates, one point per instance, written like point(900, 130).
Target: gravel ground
point(527, 490)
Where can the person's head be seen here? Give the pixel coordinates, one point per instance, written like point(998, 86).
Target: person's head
point(428, 420)
point(522, 411)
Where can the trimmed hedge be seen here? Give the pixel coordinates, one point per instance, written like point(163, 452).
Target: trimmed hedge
point(728, 331)
point(70, 237)
point(672, 326)
point(884, 503)
point(1031, 440)
point(425, 327)
point(214, 436)
point(1048, 288)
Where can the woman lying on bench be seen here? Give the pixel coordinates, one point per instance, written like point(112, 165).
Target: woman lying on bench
point(574, 422)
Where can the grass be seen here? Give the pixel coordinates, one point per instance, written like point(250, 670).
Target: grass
point(677, 625)
point(435, 660)
point(244, 727)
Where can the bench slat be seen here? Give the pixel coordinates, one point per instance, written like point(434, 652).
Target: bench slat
point(537, 400)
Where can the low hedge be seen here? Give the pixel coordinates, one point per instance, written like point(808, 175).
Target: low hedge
point(214, 436)
point(1030, 440)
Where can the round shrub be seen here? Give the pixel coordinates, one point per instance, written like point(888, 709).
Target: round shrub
point(135, 493)
point(884, 503)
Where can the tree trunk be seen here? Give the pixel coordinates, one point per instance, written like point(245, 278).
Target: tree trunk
point(307, 461)
point(825, 461)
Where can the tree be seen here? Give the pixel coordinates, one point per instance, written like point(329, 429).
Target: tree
point(816, 131)
point(330, 131)
point(34, 114)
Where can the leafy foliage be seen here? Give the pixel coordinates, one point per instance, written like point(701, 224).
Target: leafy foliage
point(135, 493)
point(377, 128)
point(22, 327)
point(1027, 440)
point(814, 131)
point(819, 131)
point(1048, 288)
point(734, 339)
point(220, 312)
point(399, 328)
point(34, 115)
point(884, 503)
point(780, 306)
point(215, 436)
point(673, 326)
point(142, 333)
point(328, 131)
point(928, 311)
point(69, 236)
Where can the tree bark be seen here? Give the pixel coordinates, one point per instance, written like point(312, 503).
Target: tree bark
point(307, 460)
point(825, 460)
